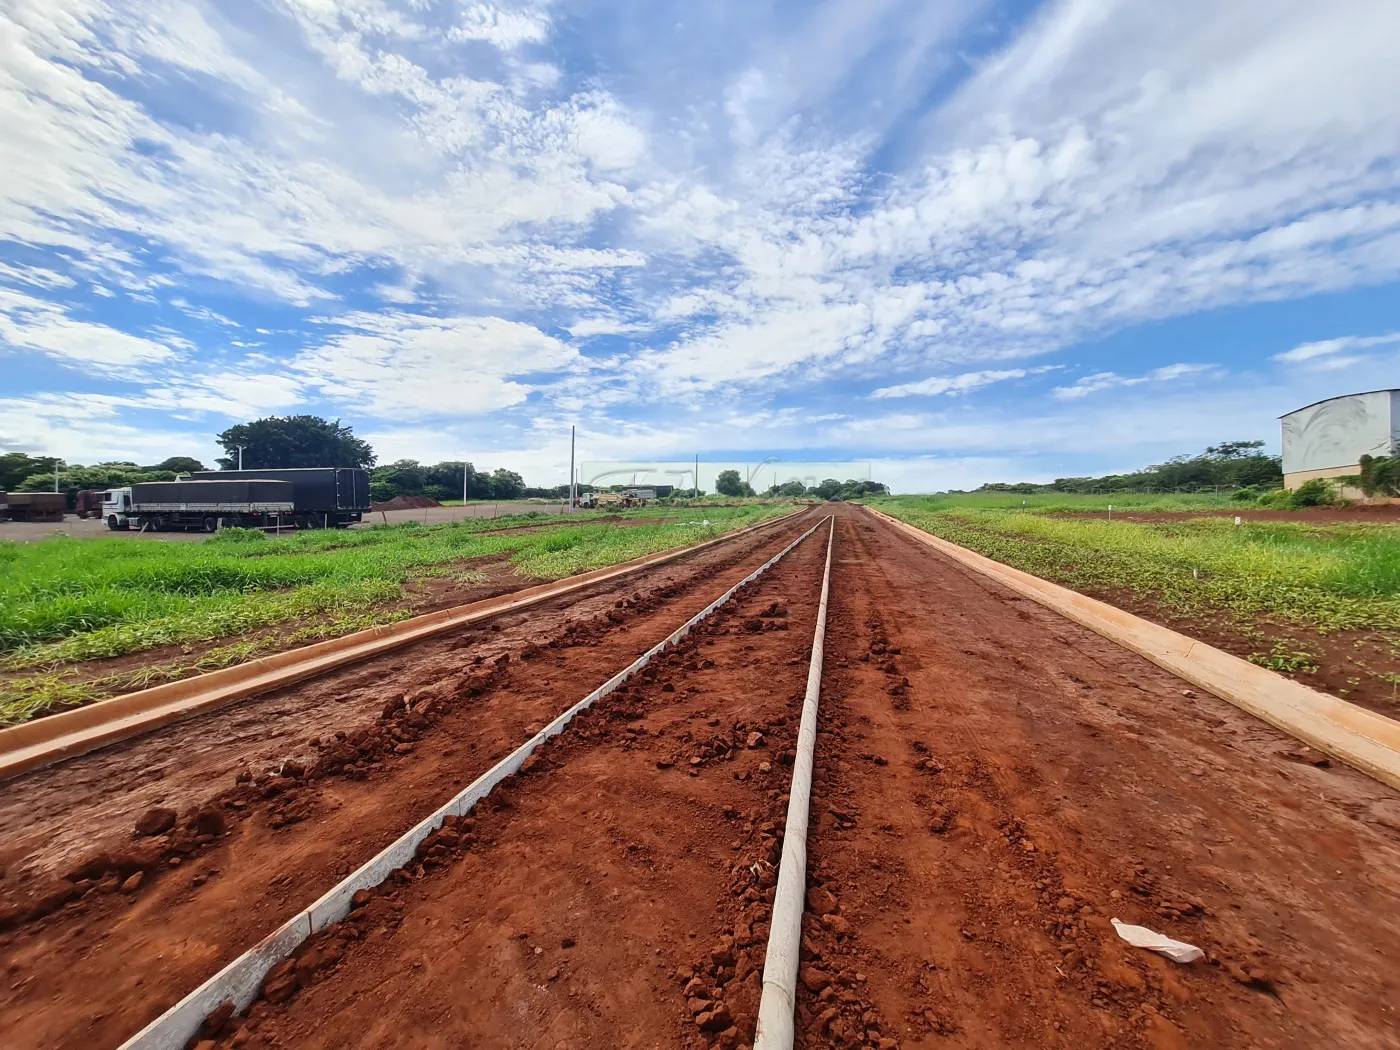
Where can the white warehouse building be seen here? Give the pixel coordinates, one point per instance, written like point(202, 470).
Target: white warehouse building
point(1328, 438)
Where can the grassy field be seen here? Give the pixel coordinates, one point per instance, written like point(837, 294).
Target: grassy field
point(1287, 590)
point(64, 601)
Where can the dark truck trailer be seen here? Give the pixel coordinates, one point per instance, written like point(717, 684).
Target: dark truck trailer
point(37, 506)
point(255, 503)
point(325, 497)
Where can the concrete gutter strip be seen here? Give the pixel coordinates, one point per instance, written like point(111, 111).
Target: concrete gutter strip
point(72, 733)
point(776, 1027)
point(1362, 739)
point(241, 980)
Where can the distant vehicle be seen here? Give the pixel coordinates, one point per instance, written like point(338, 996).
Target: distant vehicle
point(36, 506)
point(205, 505)
point(601, 499)
point(324, 497)
point(638, 497)
point(90, 501)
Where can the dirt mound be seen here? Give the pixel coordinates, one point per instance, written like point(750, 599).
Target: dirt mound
point(407, 503)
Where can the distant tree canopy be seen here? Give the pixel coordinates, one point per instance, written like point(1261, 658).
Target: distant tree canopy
point(179, 464)
point(443, 481)
point(16, 466)
point(729, 483)
point(1228, 465)
point(283, 442)
point(103, 476)
point(844, 490)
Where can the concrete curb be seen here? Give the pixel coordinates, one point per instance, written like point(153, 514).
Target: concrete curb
point(1362, 739)
point(776, 1027)
point(72, 733)
point(241, 979)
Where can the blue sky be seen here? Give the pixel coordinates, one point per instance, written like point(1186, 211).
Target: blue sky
point(967, 241)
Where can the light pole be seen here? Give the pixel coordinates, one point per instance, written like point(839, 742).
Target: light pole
point(571, 468)
point(240, 455)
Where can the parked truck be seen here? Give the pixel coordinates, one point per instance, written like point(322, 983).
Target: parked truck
point(89, 502)
point(208, 505)
point(36, 506)
point(324, 497)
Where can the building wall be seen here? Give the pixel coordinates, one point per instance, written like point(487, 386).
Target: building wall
point(1293, 480)
point(1333, 435)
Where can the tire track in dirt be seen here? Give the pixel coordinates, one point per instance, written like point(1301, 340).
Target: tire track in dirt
point(614, 894)
point(248, 848)
point(994, 783)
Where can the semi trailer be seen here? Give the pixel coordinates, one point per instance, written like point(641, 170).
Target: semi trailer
point(208, 505)
point(36, 506)
point(324, 497)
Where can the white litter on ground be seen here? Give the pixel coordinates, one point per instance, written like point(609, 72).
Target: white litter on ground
point(1142, 937)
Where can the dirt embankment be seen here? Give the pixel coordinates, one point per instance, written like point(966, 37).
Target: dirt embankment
point(94, 958)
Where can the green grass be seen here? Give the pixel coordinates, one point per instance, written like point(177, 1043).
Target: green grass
point(65, 599)
point(1327, 577)
point(1068, 502)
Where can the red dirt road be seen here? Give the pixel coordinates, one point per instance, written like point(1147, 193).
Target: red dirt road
point(993, 784)
point(102, 966)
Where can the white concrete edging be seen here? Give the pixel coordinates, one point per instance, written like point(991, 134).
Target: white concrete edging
point(1348, 732)
point(776, 1028)
point(241, 980)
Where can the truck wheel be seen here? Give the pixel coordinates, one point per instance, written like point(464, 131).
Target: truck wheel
point(211, 524)
point(112, 523)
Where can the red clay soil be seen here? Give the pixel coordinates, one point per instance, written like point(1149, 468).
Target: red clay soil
point(583, 905)
point(250, 847)
point(1352, 665)
point(406, 503)
point(995, 783)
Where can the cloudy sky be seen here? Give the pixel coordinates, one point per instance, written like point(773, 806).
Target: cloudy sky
point(967, 240)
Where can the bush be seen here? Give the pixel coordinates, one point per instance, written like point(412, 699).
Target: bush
point(1318, 492)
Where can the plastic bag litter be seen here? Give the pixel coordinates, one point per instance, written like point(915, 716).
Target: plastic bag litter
point(1142, 937)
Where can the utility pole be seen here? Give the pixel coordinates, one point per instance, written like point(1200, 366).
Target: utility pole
point(240, 455)
point(571, 468)
point(466, 473)
point(55, 473)
point(697, 475)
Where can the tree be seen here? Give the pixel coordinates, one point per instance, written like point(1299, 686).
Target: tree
point(729, 483)
point(828, 488)
point(1234, 449)
point(280, 442)
point(16, 466)
point(180, 465)
point(403, 477)
point(506, 484)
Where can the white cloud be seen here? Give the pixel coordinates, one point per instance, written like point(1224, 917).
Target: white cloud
point(501, 28)
point(414, 366)
point(1092, 384)
point(1326, 347)
point(27, 323)
point(958, 384)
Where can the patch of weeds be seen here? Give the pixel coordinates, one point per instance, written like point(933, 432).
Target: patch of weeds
point(1285, 660)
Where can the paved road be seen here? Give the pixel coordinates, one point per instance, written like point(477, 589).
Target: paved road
point(92, 528)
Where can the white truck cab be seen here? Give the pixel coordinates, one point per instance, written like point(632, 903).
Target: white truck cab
point(116, 509)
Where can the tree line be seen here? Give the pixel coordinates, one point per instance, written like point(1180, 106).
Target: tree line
point(1228, 465)
point(288, 442)
point(731, 483)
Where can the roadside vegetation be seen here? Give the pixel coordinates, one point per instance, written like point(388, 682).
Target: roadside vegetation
point(1285, 593)
point(65, 601)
